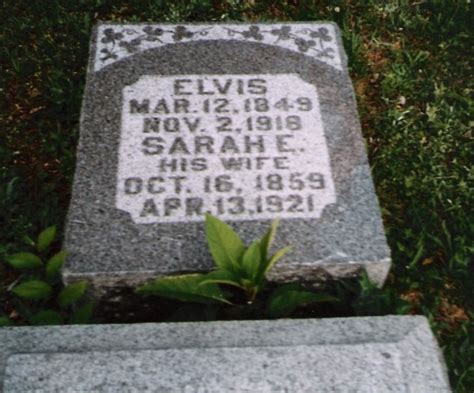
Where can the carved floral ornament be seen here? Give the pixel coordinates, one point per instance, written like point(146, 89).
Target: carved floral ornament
point(119, 41)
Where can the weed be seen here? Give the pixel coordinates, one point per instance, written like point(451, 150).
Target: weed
point(36, 295)
point(239, 267)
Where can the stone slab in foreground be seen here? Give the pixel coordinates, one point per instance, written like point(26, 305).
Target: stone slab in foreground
point(372, 354)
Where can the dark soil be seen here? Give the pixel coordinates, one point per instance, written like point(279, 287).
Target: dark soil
point(123, 305)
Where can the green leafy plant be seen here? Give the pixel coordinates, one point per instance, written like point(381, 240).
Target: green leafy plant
point(244, 268)
point(37, 295)
point(372, 300)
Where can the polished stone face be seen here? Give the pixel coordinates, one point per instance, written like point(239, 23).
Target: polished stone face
point(372, 354)
point(246, 122)
point(240, 147)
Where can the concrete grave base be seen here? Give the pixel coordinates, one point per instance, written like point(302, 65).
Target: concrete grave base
point(371, 354)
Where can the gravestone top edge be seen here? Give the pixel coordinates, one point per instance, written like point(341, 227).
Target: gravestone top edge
point(399, 325)
point(115, 41)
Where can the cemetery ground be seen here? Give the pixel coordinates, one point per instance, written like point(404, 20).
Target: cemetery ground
point(410, 65)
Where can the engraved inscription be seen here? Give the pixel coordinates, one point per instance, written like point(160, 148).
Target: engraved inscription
point(237, 146)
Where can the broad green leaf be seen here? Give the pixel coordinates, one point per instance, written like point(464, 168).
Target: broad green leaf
point(284, 301)
point(221, 277)
point(55, 263)
point(32, 290)
point(71, 293)
point(251, 261)
point(45, 238)
point(274, 258)
point(46, 317)
point(24, 260)
point(5, 321)
point(247, 283)
point(185, 288)
point(267, 239)
point(82, 314)
point(225, 246)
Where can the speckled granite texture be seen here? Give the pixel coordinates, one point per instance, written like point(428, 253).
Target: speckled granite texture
point(106, 247)
point(372, 354)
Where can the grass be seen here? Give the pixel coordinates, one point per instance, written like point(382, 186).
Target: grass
point(410, 62)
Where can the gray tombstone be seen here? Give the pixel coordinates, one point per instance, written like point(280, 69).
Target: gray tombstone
point(246, 122)
point(372, 354)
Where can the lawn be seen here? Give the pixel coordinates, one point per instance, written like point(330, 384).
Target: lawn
point(411, 65)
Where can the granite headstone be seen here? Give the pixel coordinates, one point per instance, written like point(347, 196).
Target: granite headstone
point(372, 354)
point(246, 122)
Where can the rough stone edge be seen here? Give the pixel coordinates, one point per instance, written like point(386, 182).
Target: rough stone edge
point(410, 332)
point(101, 283)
